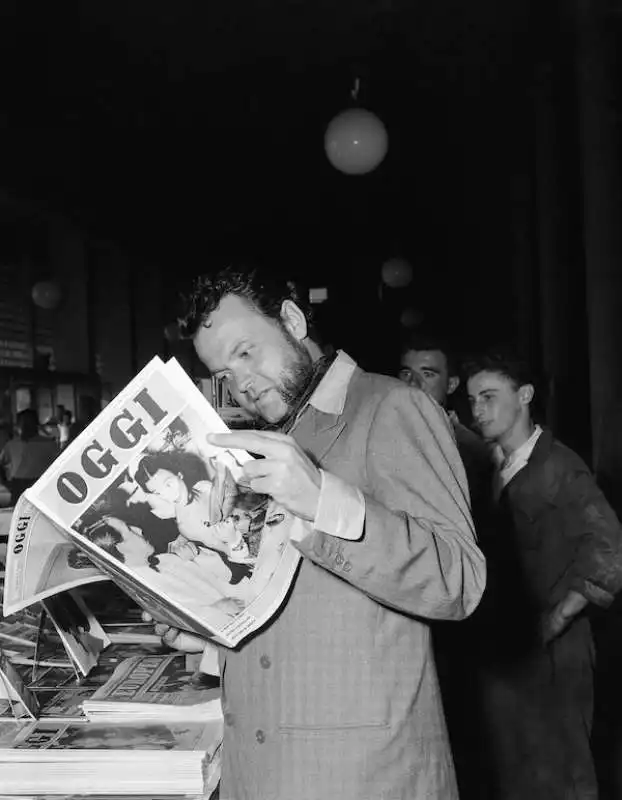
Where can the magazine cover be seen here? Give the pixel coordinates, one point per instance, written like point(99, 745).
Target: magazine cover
point(72, 735)
point(160, 680)
point(42, 561)
point(151, 503)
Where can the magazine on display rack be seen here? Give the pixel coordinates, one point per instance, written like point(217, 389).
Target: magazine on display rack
point(141, 497)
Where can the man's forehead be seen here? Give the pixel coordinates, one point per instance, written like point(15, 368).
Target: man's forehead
point(425, 358)
point(231, 310)
point(483, 381)
point(232, 321)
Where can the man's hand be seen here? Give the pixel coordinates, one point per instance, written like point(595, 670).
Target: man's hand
point(562, 614)
point(178, 640)
point(285, 472)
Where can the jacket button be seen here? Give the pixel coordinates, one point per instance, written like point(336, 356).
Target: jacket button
point(228, 718)
point(265, 662)
point(339, 559)
point(347, 566)
point(260, 736)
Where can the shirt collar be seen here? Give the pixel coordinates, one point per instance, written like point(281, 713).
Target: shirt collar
point(521, 455)
point(330, 395)
point(510, 467)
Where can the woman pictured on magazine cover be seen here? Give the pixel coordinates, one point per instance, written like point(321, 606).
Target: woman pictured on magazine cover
point(203, 579)
point(203, 510)
point(126, 500)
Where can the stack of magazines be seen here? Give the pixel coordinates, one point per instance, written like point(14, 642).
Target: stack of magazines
point(156, 687)
point(83, 758)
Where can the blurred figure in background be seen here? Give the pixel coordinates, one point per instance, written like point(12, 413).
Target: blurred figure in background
point(50, 426)
point(64, 429)
point(427, 362)
point(554, 553)
point(25, 458)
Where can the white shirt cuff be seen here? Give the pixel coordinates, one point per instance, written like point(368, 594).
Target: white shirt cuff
point(340, 510)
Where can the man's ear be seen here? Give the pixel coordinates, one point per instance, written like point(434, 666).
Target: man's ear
point(526, 393)
point(294, 320)
point(452, 384)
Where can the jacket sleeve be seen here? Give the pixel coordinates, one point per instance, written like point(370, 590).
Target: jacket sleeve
point(596, 570)
point(418, 552)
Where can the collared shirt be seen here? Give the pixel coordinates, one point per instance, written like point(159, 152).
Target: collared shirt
point(341, 507)
point(509, 467)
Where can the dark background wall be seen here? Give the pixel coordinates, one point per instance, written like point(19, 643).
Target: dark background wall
point(187, 135)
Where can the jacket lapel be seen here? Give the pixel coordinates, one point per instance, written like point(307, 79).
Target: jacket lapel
point(522, 483)
point(316, 432)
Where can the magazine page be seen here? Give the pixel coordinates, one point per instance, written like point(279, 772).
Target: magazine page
point(81, 634)
point(41, 561)
point(160, 510)
point(156, 679)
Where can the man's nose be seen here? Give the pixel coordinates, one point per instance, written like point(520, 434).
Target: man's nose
point(242, 381)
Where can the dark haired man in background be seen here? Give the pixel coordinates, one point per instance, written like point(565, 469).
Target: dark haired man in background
point(428, 360)
point(338, 696)
point(554, 548)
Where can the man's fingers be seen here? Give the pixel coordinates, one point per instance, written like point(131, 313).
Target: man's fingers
point(261, 485)
point(161, 629)
point(170, 636)
point(258, 468)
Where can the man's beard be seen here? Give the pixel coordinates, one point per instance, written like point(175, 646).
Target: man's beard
point(296, 374)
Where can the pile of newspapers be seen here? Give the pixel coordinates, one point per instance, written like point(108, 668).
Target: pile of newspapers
point(48, 758)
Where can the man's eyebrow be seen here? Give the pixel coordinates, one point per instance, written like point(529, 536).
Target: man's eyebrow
point(215, 372)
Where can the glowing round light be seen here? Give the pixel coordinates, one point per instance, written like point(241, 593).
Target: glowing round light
point(397, 273)
point(47, 294)
point(356, 141)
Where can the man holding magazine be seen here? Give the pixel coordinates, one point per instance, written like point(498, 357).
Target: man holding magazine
point(337, 697)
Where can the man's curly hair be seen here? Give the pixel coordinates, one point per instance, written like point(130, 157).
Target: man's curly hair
point(264, 291)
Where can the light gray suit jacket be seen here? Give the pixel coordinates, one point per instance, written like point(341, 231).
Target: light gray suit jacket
point(337, 699)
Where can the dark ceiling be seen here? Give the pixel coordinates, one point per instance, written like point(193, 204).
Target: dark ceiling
point(175, 127)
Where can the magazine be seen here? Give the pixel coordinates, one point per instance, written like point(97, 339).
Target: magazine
point(161, 687)
point(43, 563)
point(143, 497)
point(71, 757)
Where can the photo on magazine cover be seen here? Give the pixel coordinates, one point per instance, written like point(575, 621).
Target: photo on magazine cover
point(177, 518)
